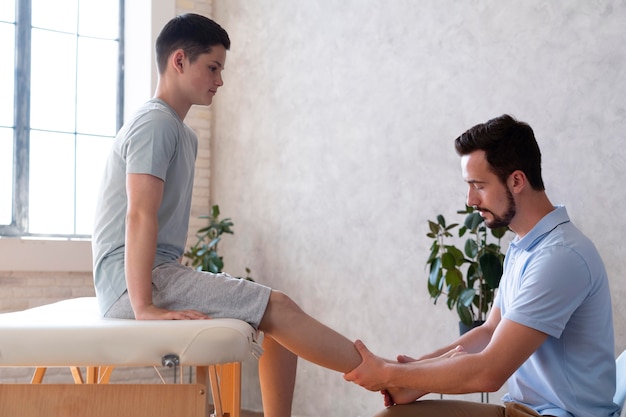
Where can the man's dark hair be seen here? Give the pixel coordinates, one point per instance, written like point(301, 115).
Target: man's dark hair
point(509, 145)
point(193, 33)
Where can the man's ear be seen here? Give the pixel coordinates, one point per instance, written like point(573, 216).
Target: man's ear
point(517, 181)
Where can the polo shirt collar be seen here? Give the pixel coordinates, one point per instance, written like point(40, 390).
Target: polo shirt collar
point(548, 223)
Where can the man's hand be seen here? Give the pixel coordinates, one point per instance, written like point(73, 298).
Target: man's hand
point(152, 312)
point(457, 350)
point(369, 374)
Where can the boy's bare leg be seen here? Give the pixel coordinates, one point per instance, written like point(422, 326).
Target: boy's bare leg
point(301, 334)
point(277, 373)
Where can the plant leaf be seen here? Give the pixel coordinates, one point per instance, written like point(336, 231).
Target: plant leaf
point(466, 297)
point(448, 261)
point(452, 226)
point(459, 258)
point(471, 248)
point(472, 274)
point(499, 232)
point(491, 266)
point(435, 272)
point(454, 278)
point(464, 314)
point(434, 228)
point(473, 220)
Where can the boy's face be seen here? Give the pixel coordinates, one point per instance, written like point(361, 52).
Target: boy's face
point(203, 77)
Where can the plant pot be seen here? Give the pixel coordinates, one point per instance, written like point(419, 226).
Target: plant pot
point(464, 328)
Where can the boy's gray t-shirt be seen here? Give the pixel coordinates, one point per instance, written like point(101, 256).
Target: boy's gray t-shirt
point(156, 142)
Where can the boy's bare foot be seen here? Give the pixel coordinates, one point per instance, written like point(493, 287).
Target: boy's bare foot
point(405, 395)
point(399, 396)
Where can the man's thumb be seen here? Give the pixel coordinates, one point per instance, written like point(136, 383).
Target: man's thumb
point(360, 347)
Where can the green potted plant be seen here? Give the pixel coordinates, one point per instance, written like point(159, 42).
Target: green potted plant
point(468, 278)
point(203, 254)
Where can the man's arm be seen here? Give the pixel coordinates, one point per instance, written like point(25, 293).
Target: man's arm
point(485, 370)
point(473, 341)
point(145, 193)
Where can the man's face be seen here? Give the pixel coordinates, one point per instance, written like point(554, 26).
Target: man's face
point(486, 193)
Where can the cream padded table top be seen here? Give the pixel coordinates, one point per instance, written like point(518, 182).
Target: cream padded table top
point(72, 333)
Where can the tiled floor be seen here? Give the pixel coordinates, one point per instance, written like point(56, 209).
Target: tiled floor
point(245, 413)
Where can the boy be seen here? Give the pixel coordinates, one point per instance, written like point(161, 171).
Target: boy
point(143, 214)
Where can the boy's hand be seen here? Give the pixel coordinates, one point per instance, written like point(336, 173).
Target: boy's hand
point(152, 312)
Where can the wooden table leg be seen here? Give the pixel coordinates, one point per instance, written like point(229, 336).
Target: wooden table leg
point(38, 376)
point(78, 377)
point(224, 381)
point(230, 384)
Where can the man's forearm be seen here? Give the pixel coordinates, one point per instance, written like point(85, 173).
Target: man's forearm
point(465, 373)
point(473, 341)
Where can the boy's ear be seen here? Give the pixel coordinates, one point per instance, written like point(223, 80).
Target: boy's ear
point(177, 60)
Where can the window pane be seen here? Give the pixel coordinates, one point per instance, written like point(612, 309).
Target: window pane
point(91, 155)
point(7, 52)
point(99, 18)
point(73, 88)
point(52, 81)
point(7, 11)
point(6, 175)
point(51, 183)
point(97, 86)
point(56, 15)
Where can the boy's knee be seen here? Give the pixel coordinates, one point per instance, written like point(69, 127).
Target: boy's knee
point(279, 308)
point(280, 300)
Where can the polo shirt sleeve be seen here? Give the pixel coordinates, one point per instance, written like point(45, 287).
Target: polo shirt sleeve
point(554, 283)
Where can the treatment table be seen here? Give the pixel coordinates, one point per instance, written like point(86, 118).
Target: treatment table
point(72, 333)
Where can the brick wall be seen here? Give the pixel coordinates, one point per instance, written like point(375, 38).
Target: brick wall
point(199, 119)
point(21, 290)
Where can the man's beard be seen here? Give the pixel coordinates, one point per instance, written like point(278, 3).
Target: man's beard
point(504, 220)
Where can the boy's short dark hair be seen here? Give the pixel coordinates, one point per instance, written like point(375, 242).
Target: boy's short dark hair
point(509, 145)
point(193, 33)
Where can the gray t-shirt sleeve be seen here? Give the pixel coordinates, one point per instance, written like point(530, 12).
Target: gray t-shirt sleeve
point(149, 151)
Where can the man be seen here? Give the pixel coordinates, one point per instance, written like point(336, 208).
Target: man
point(143, 214)
point(550, 332)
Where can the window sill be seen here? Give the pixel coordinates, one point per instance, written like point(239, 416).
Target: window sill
point(45, 255)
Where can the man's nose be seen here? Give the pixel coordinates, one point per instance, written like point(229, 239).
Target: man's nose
point(472, 199)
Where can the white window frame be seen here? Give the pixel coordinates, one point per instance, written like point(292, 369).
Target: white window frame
point(142, 24)
point(21, 152)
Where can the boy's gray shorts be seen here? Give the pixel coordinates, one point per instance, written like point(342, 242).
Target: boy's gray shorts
point(178, 287)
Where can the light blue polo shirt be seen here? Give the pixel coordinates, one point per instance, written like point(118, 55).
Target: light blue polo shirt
point(555, 282)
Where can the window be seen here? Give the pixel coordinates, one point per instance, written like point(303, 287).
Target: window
point(60, 109)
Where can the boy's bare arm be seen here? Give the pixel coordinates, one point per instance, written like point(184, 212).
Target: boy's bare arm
point(145, 193)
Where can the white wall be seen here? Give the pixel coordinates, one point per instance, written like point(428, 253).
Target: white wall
point(333, 146)
point(144, 19)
